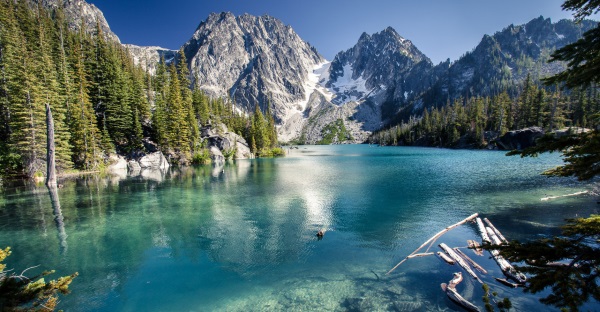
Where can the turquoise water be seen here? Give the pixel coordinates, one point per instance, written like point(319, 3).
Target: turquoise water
point(242, 237)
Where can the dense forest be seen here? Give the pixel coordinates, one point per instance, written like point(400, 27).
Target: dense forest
point(102, 102)
point(476, 121)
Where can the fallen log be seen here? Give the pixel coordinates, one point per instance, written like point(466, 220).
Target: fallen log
point(494, 238)
point(495, 230)
point(559, 196)
point(445, 258)
point(482, 231)
point(460, 261)
point(475, 247)
point(436, 236)
point(504, 265)
point(451, 292)
point(470, 261)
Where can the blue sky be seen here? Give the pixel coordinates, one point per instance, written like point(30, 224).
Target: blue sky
point(439, 28)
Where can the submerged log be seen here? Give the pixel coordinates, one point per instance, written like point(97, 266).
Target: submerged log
point(434, 237)
point(460, 261)
point(445, 258)
point(421, 255)
point(451, 292)
point(506, 282)
point(470, 261)
point(559, 196)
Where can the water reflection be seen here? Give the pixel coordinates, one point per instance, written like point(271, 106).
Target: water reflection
point(58, 218)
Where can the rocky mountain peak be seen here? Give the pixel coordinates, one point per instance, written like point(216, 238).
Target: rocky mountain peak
point(256, 60)
point(374, 66)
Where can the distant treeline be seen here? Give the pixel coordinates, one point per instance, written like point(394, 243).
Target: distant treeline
point(102, 103)
point(471, 121)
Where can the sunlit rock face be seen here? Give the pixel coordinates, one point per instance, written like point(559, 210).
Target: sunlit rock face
point(254, 60)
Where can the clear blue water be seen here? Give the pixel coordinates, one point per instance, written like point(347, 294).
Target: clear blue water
point(242, 237)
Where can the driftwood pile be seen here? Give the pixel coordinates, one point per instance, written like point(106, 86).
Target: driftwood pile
point(490, 236)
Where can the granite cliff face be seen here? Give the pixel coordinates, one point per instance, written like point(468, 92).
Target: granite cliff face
point(253, 60)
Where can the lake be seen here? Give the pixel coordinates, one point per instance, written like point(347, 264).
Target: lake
point(242, 237)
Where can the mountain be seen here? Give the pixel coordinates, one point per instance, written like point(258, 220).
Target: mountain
point(500, 62)
point(255, 61)
point(381, 68)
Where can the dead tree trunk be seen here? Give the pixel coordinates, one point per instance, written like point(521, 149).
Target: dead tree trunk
point(50, 149)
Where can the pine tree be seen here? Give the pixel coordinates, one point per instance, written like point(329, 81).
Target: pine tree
point(84, 131)
point(187, 101)
point(159, 116)
point(177, 130)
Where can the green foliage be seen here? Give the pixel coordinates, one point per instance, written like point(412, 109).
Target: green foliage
point(201, 157)
point(335, 133)
point(262, 134)
point(503, 305)
point(273, 152)
point(22, 293)
point(229, 154)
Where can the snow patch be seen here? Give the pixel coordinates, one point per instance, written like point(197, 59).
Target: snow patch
point(347, 88)
point(313, 83)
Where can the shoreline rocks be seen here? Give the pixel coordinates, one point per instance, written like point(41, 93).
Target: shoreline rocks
point(519, 139)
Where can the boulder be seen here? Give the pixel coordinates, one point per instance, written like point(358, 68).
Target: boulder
point(154, 161)
point(226, 141)
point(117, 163)
point(133, 166)
point(520, 139)
point(243, 151)
point(569, 131)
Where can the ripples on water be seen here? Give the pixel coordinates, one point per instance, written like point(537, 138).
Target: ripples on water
point(242, 237)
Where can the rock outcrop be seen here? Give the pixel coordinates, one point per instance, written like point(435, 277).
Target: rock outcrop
point(226, 141)
point(154, 161)
point(519, 139)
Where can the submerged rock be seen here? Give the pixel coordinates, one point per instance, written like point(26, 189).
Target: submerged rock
point(118, 163)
